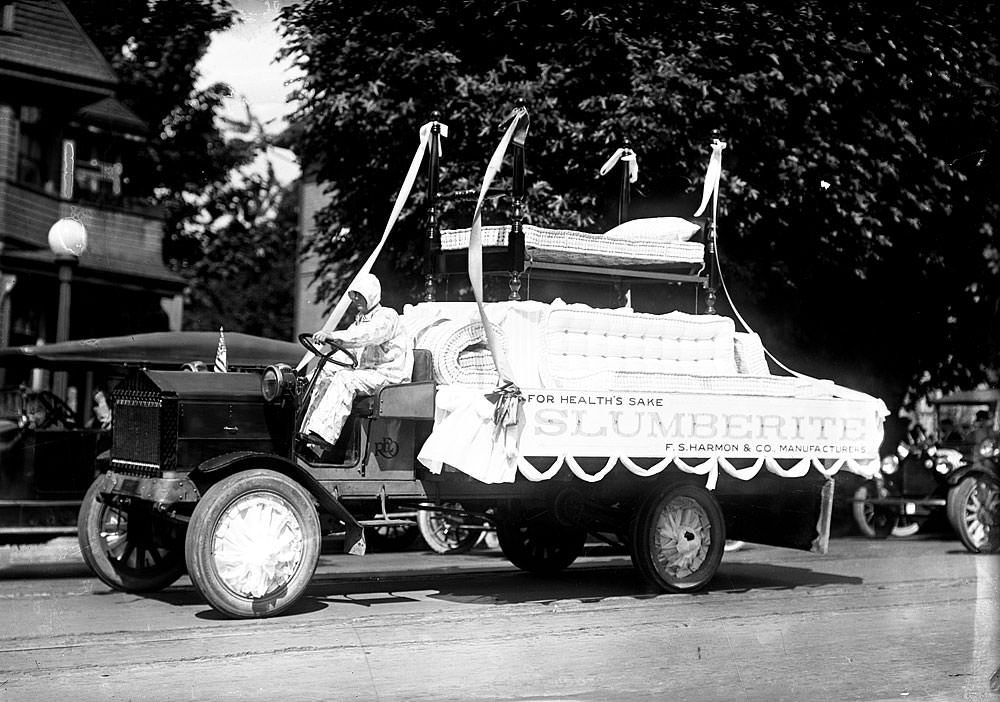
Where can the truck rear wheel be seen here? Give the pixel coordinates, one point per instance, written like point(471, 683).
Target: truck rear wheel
point(448, 533)
point(678, 537)
point(128, 547)
point(253, 544)
point(540, 547)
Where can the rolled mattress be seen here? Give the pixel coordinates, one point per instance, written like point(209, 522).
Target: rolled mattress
point(459, 352)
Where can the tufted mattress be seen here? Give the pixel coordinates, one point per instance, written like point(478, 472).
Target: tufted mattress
point(578, 347)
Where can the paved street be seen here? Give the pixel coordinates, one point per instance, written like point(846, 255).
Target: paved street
point(891, 620)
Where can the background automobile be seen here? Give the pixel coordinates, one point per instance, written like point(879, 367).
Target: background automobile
point(950, 471)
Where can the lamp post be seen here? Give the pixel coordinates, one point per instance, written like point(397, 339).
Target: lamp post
point(67, 239)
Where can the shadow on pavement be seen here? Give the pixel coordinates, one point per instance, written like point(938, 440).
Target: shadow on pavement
point(581, 583)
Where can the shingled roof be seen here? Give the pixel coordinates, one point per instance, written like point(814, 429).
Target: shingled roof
point(110, 112)
point(47, 44)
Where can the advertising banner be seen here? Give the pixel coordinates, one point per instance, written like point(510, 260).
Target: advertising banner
point(655, 424)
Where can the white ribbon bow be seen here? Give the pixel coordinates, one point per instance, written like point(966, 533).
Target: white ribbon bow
point(712, 176)
point(627, 155)
point(404, 192)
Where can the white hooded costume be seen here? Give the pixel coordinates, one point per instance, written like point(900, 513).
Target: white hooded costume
point(385, 356)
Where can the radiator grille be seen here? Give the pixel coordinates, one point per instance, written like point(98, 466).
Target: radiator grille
point(145, 430)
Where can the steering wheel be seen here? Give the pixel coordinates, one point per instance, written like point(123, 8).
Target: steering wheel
point(56, 410)
point(306, 340)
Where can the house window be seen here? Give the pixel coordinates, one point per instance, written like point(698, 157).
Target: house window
point(96, 164)
point(36, 162)
point(7, 16)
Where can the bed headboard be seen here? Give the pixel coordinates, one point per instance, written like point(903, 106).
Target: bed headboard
point(510, 258)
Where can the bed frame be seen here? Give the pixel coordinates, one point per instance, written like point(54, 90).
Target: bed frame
point(513, 260)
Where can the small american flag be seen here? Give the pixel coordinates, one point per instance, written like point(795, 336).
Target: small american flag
point(221, 360)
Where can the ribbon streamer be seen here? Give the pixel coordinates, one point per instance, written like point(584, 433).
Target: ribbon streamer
point(404, 192)
point(516, 132)
point(627, 155)
point(712, 176)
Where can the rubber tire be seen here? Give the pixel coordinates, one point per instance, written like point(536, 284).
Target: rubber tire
point(958, 497)
point(540, 547)
point(877, 521)
point(201, 537)
point(644, 529)
point(111, 571)
point(429, 523)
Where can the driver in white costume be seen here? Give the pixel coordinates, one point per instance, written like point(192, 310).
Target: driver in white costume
point(385, 355)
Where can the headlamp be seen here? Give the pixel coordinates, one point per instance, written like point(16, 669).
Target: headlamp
point(276, 381)
point(890, 464)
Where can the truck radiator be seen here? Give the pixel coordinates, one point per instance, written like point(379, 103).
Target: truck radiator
point(144, 435)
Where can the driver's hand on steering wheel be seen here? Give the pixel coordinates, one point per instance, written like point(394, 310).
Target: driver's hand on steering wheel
point(323, 336)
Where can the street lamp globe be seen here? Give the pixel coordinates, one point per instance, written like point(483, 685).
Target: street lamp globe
point(68, 237)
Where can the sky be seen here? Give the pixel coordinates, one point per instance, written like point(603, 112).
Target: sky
point(244, 57)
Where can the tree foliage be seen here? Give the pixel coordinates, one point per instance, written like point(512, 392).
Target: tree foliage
point(154, 49)
point(858, 203)
point(242, 281)
point(230, 229)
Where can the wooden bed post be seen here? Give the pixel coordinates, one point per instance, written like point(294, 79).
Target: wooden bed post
point(433, 252)
point(516, 236)
point(710, 250)
point(713, 274)
point(625, 192)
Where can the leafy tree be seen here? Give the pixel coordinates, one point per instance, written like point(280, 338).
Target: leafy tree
point(154, 47)
point(247, 229)
point(230, 229)
point(858, 204)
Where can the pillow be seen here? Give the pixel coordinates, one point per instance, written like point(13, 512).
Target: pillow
point(655, 229)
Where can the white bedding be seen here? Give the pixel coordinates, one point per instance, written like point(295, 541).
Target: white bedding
point(574, 346)
point(583, 248)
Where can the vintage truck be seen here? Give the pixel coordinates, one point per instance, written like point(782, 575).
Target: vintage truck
point(664, 433)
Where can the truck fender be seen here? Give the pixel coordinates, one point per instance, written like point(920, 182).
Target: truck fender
point(229, 463)
point(987, 468)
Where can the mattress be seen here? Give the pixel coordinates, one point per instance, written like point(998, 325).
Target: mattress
point(577, 347)
point(583, 248)
point(459, 352)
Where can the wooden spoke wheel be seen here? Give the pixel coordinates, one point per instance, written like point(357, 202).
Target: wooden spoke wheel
point(973, 511)
point(678, 538)
point(447, 532)
point(128, 547)
point(879, 521)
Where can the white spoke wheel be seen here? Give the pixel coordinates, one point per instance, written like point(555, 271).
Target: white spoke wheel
point(253, 544)
point(448, 533)
point(678, 538)
point(973, 512)
point(129, 548)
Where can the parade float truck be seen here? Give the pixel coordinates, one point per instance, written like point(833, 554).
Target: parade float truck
point(665, 434)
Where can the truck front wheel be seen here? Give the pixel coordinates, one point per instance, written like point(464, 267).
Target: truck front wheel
point(678, 537)
point(128, 546)
point(253, 544)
